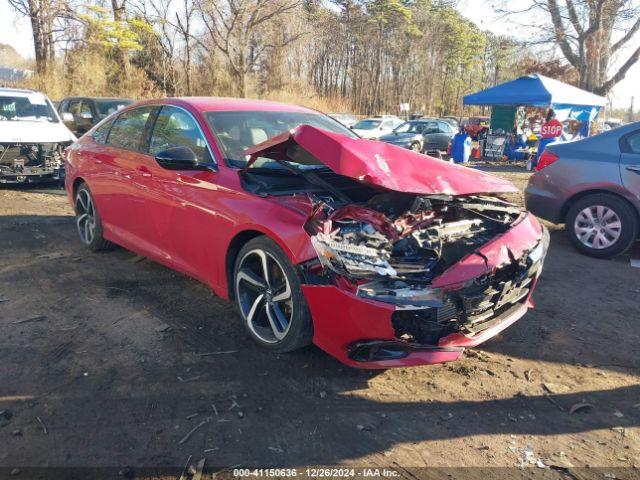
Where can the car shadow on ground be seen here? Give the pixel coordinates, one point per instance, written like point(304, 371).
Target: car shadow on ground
point(586, 312)
point(129, 363)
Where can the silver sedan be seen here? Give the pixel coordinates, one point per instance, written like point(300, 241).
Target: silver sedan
point(593, 187)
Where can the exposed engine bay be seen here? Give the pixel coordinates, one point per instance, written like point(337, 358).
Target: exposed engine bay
point(405, 236)
point(31, 162)
point(389, 246)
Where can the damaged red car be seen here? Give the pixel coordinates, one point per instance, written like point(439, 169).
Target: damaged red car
point(379, 255)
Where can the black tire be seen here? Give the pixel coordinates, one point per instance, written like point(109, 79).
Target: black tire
point(300, 327)
point(83, 199)
point(628, 222)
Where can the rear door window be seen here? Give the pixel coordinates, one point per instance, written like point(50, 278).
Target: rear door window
point(633, 143)
point(444, 127)
point(129, 129)
point(431, 127)
point(74, 107)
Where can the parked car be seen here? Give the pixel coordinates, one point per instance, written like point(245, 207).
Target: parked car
point(453, 121)
point(345, 119)
point(476, 126)
point(425, 135)
point(361, 247)
point(374, 127)
point(32, 138)
point(593, 187)
point(80, 114)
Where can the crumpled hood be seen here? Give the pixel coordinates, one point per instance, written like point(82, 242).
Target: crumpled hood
point(34, 132)
point(379, 163)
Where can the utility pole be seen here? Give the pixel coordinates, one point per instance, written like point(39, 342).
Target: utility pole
point(631, 110)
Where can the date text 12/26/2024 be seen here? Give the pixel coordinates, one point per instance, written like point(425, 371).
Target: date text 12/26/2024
point(315, 472)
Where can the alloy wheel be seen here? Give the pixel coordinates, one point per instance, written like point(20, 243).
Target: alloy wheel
point(264, 296)
point(597, 227)
point(85, 217)
point(415, 147)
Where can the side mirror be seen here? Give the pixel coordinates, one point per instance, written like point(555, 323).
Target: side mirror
point(67, 117)
point(178, 158)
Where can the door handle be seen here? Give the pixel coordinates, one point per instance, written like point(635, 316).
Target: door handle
point(634, 168)
point(144, 172)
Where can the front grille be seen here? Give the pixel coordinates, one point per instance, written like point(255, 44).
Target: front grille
point(490, 296)
point(9, 154)
point(472, 309)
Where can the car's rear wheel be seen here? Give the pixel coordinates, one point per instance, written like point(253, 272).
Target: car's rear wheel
point(88, 220)
point(602, 225)
point(415, 146)
point(269, 298)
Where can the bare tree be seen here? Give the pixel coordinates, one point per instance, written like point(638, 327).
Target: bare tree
point(234, 27)
point(184, 25)
point(159, 56)
point(589, 33)
point(43, 15)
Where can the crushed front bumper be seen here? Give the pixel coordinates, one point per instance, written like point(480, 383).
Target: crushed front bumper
point(364, 333)
point(31, 175)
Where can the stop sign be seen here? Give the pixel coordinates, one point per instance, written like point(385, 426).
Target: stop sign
point(551, 129)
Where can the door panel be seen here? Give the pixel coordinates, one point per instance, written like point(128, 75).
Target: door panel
point(182, 204)
point(122, 201)
point(630, 163)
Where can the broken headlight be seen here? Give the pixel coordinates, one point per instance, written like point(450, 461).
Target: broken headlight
point(347, 258)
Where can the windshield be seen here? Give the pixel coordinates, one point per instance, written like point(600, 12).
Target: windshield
point(410, 127)
point(31, 107)
point(107, 107)
point(238, 130)
point(367, 124)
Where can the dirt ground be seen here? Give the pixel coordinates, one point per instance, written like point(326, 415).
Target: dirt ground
point(112, 360)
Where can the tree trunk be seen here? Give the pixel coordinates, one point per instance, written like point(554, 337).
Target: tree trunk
point(119, 16)
point(38, 37)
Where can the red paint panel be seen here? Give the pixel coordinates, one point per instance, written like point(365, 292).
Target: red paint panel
point(341, 318)
point(382, 164)
point(520, 238)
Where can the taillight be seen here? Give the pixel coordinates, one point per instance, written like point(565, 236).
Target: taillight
point(546, 159)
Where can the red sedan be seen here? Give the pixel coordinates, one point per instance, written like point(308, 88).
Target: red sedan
point(379, 255)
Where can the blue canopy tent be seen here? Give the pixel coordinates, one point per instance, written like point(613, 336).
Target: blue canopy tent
point(567, 101)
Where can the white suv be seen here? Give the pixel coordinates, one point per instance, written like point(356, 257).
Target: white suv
point(32, 138)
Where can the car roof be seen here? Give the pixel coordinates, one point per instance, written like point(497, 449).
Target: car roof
point(98, 98)
point(220, 104)
point(23, 91)
point(377, 118)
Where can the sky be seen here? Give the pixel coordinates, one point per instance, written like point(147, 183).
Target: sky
point(16, 32)
point(482, 14)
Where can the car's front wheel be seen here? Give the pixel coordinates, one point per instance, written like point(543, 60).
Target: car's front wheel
point(415, 146)
point(88, 220)
point(602, 225)
point(269, 298)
